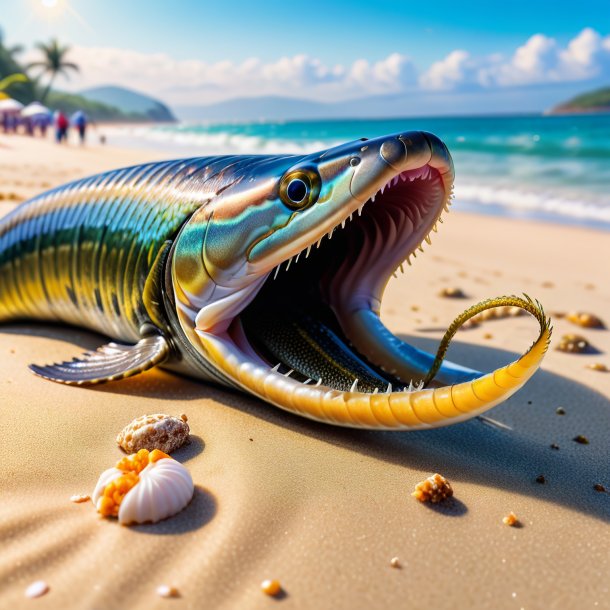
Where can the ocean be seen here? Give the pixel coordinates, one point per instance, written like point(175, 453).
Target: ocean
point(553, 168)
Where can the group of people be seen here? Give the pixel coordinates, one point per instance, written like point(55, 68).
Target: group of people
point(62, 124)
point(12, 122)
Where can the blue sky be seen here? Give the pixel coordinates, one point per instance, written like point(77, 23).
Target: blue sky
point(187, 51)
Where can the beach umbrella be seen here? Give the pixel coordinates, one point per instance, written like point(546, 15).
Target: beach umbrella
point(35, 109)
point(10, 105)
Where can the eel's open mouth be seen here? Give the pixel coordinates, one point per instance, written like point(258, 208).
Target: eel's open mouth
point(307, 336)
point(299, 322)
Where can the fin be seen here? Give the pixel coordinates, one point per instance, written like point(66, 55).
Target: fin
point(108, 363)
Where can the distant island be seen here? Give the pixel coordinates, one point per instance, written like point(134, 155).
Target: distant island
point(597, 101)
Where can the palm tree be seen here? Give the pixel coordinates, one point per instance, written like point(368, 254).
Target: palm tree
point(53, 63)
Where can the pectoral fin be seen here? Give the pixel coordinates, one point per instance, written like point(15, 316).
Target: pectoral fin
point(108, 363)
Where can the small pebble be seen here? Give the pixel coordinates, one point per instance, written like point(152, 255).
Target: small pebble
point(395, 562)
point(37, 589)
point(510, 519)
point(560, 411)
point(573, 344)
point(488, 336)
point(167, 591)
point(599, 487)
point(452, 293)
point(78, 498)
point(598, 366)
point(583, 440)
point(555, 446)
point(586, 320)
point(433, 489)
point(541, 479)
point(271, 587)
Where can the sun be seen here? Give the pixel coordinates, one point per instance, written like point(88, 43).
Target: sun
point(49, 3)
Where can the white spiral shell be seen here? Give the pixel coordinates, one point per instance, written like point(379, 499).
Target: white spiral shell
point(164, 489)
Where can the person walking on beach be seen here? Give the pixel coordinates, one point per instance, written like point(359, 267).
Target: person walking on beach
point(79, 120)
point(61, 127)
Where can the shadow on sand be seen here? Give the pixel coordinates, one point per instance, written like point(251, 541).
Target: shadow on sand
point(508, 459)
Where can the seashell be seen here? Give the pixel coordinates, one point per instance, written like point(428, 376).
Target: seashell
point(147, 486)
point(157, 431)
point(574, 344)
point(586, 320)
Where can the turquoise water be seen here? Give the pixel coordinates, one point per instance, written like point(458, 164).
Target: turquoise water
point(556, 168)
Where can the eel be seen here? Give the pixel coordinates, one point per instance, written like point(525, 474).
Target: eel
point(261, 273)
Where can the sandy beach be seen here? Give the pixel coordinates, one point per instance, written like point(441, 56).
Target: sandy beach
point(323, 509)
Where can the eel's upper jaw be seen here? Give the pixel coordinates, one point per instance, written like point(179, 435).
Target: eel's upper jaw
point(345, 273)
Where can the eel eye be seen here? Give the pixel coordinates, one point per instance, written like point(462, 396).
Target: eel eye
point(300, 189)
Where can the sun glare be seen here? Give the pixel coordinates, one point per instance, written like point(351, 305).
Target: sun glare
point(49, 3)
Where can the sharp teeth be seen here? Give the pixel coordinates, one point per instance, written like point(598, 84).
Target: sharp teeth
point(389, 390)
point(373, 197)
point(394, 274)
point(428, 240)
point(288, 264)
point(354, 387)
point(402, 269)
point(289, 373)
point(440, 220)
point(277, 270)
point(276, 368)
point(409, 261)
point(296, 260)
point(308, 251)
point(319, 382)
point(382, 189)
point(319, 242)
point(343, 223)
point(375, 390)
point(361, 208)
point(307, 381)
point(435, 228)
point(420, 248)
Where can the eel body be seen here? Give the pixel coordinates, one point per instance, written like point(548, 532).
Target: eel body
point(261, 273)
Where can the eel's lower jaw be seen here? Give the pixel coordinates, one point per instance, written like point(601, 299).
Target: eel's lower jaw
point(403, 410)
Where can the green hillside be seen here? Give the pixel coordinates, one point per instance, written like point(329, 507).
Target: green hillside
point(130, 101)
point(592, 101)
point(96, 111)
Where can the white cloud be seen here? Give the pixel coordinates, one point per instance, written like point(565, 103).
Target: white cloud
point(196, 81)
point(455, 70)
point(539, 60)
